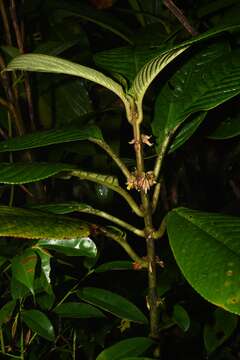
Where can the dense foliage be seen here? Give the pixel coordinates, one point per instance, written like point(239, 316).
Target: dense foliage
point(119, 179)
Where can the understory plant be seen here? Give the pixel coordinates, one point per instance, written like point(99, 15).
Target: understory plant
point(192, 78)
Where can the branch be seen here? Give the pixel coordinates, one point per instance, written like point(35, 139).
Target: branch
point(180, 16)
point(125, 245)
point(113, 185)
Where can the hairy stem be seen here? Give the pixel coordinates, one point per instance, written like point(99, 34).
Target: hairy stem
point(84, 175)
point(114, 156)
point(125, 245)
point(103, 214)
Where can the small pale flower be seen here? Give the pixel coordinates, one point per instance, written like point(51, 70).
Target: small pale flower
point(145, 139)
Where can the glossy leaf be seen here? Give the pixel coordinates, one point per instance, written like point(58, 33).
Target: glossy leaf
point(148, 73)
point(202, 83)
point(217, 333)
point(45, 258)
point(113, 303)
point(181, 317)
point(78, 310)
point(23, 173)
point(18, 290)
point(6, 312)
point(206, 248)
point(227, 129)
point(23, 268)
point(126, 348)
point(38, 322)
point(71, 247)
point(115, 265)
point(51, 64)
point(32, 224)
point(50, 137)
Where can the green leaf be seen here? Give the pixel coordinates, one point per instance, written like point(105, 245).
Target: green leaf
point(115, 265)
point(113, 303)
point(18, 290)
point(45, 300)
point(23, 268)
point(33, 224)
point(148, 73)
point(227, 129)
point(125, 348)
point(6, 312)
point(217, 333)
point(137, 358)
point(78, 310)
point(50, 137)
point(206, 248)
point(23, 173)
point(45, 258)
point(39, 323)
point(202, 83)
point(71, 247)
point(51, 64)
point(181, 317)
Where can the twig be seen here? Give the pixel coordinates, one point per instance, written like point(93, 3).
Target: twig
point(180, 16)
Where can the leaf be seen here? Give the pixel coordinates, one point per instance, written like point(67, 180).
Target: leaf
point(51, 64)
point(23, 268)
point(216, 334)
point(204, 81)
point(206, 248)
point(45, 258)
point(23, 173)
point(148, 73)
point(71, 247)
point(6, 312)
point(115, 265)
point(33, 224)
point(137, 358)
point(227, 129)
point(50, 137)
point(113, 303)
point(181, 317)
point(78, 310)
point(18, 290)
point(125, 348)
point(39, 323)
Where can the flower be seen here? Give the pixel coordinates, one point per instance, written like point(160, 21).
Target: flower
point(140, 182)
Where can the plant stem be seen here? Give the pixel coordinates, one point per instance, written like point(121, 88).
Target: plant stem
point(2, 341)
point(103, 180)
point(124, 244)
point(103, 214)
point(114, 156)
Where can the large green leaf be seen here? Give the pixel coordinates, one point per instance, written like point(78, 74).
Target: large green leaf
point(203, 82)
point(207, 250)
point(32, 224)
point(23, 268)
point(23, 173)
point(50, 137)
point(71, 247)
point(126, 348)
point(78, 310)
point(6, 312)
point(51, 64)
point(39, 323)
point(113, 303)
point(148, 73)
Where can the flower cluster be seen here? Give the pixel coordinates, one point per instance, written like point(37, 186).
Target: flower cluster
point(142, 181)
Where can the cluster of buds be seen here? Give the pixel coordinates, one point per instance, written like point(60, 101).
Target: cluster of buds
point(142, 181)
point(145, 139)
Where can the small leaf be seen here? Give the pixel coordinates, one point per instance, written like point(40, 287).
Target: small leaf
point(45, 258)
point(50, 137)
point(115, 265)
point(39, 323)
point(216, 334)
point(78, 310)
point(71, 247)
point(125, 348)
point(181, 317)
point(206, 248)
point(6, 312)
point(23, 268)
point(113, 303)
